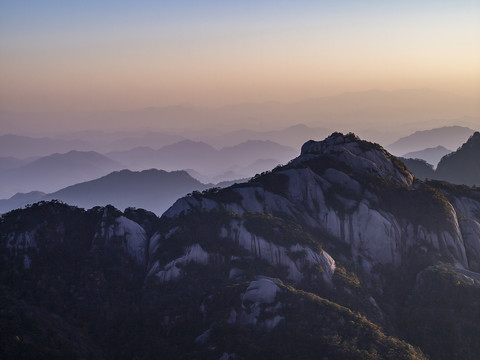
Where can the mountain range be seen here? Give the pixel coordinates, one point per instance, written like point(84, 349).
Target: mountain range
point(430, 155)
point(458, 167)
point(463, 165)
point(24, 146)
point(155, 190)
point(293, 136)
point(152, 189)
point(19, 146)
point(450, 137)
point(205, 159)
point(340, 254)
point(53, 172)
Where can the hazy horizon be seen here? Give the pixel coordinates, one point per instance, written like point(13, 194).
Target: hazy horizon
point(90, 56)
point(388, 113)
point(202, 69)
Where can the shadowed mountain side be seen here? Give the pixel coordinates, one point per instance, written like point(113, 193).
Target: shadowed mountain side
point(450, 137)
point(53, 172)
point(430, 155)
point(420, 168)
point(463, 165)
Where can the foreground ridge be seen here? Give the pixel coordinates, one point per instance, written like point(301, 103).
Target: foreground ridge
point(338, 254)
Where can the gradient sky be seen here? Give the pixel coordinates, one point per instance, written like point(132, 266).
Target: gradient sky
point(92, 55)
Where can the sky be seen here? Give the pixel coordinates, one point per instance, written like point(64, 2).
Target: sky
point(119, 55)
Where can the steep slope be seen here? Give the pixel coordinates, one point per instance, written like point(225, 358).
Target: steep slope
point(420, 168)
point(336, 254)
point(463, 165)
point(72, 275)
point(352, 190)
point(87, 268)
point(378, 228)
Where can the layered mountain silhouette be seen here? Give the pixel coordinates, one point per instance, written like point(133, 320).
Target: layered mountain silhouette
point(56, 171)
point(152, 189)
point(293, 136)
point(203, 158)
point(155, 190)
point(24, 146)
point(420, 168)
point(339, 254)
point(450, 137)
point(20, 200)
point(459, 167)
point(430, 155)
point(463, 165)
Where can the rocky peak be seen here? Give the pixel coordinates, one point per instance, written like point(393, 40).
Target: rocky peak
point(332, 142)
point(360, 155)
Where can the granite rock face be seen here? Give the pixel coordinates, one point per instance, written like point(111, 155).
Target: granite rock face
point(329, 188)
point(316, 252)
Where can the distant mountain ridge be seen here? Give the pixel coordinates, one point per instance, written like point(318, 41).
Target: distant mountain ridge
point(458, 167)
point(430, 155)
point(25, 146)
point(53, 172)
point(450, 137)
point(293, 136)
point(56, 171)
point(153, 190)
point(203, 158)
